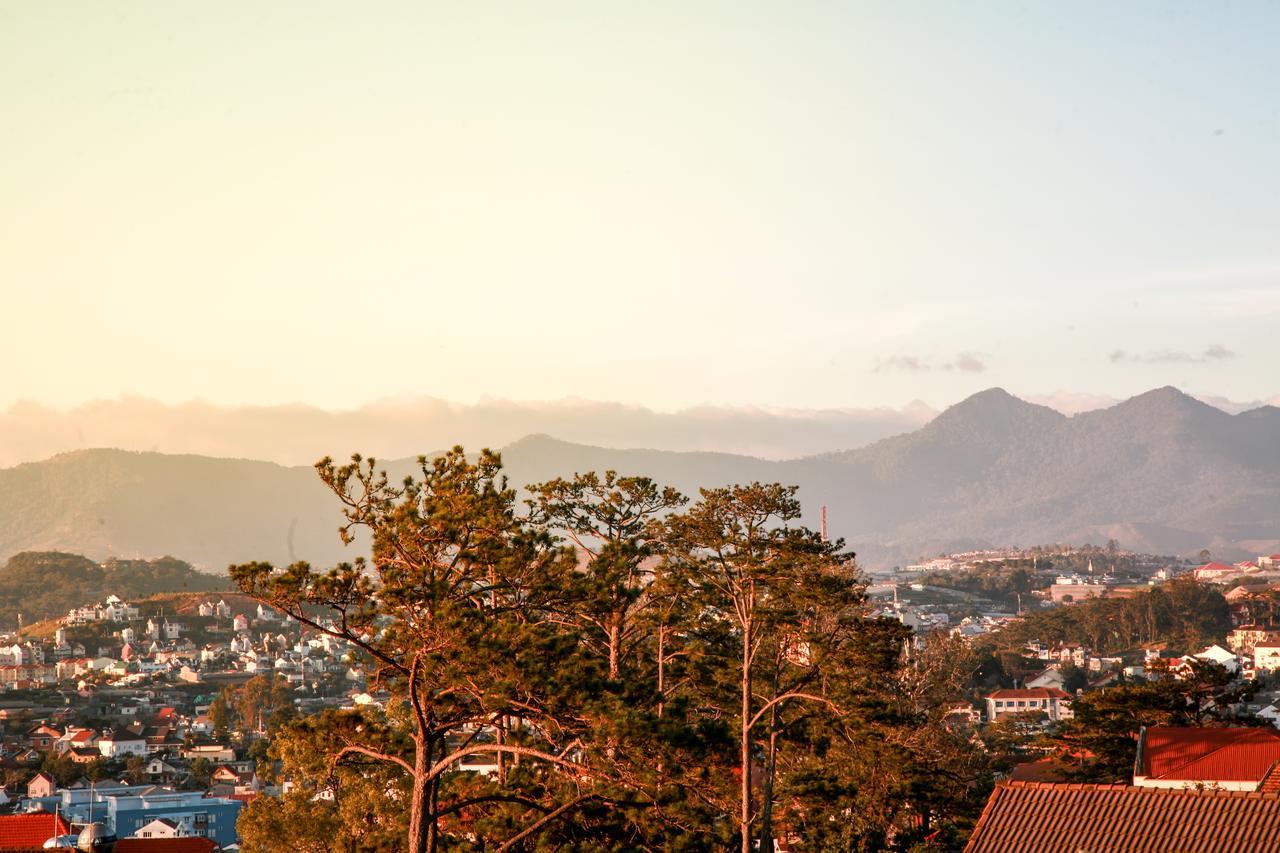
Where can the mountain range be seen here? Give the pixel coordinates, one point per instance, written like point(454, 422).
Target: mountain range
point(1161, 472)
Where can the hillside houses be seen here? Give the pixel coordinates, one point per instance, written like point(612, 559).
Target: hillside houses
point(111, 610)
point(118, 684)
point(1264, 568)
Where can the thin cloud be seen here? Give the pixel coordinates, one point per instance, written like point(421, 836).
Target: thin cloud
point(1215, 352)
point(965, 362)
point(905, 363)
point(969, 362)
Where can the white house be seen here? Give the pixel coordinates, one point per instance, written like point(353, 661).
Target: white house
point(1266, 657)
point(1050, 677)
point(158, 828)
point(118, 742)
point(1217, 654)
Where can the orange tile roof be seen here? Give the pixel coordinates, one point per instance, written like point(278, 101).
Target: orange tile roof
point(1208, 755)
point(1040, 817)
point(30, 831)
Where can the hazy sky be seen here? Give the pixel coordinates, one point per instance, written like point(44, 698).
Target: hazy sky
point(794, 204)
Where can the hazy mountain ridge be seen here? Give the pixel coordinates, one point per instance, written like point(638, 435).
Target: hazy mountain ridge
point(299, 434)
point(1161, 472)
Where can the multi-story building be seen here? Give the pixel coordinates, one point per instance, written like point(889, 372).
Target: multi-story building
point(126, 809)
point(1052, 702)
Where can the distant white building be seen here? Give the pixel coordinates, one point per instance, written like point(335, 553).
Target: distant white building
point(114, 609)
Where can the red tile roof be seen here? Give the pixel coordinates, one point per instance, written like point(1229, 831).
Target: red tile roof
point(1031, 693)
point(30, 831)
point(1040, 817)
point(1216, 567)
point(1208, 755)
point(189, 844)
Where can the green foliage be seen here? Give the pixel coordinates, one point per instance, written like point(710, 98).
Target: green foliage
point(1102, 736)
point(1183, 613)
point(201, 772)
point(1074, 678)
point(61, 767)
point(1000, 584)
point(46, 584)
point(220, 715)
point(260, 705)
point(623, 687)
point(135, 769)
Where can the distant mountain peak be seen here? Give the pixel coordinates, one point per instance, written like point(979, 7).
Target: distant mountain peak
point(997, 410)
point(537, 439)
point(1168, 401)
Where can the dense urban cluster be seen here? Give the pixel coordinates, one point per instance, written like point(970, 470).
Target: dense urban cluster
point(152, 719)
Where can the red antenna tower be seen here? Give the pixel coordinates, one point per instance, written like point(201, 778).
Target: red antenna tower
point(824, 522)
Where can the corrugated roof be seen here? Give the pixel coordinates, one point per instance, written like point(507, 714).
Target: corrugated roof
point(1209, 755)
point(30, 831)
point(1039, 817)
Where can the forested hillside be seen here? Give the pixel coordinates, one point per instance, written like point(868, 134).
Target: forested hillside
point(46, 584)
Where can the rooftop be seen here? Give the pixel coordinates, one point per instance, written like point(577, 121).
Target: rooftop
point(1208, 755)
point(30, 831)
point(1039, 817)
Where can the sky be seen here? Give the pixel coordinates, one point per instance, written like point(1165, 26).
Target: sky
point(668, 204)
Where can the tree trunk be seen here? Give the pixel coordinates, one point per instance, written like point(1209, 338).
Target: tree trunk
point(615, 641)
point(501, 739)
point(766, 784)
point(420, 811)
point(433, 826)
point(745, 755)
point(662, 668)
